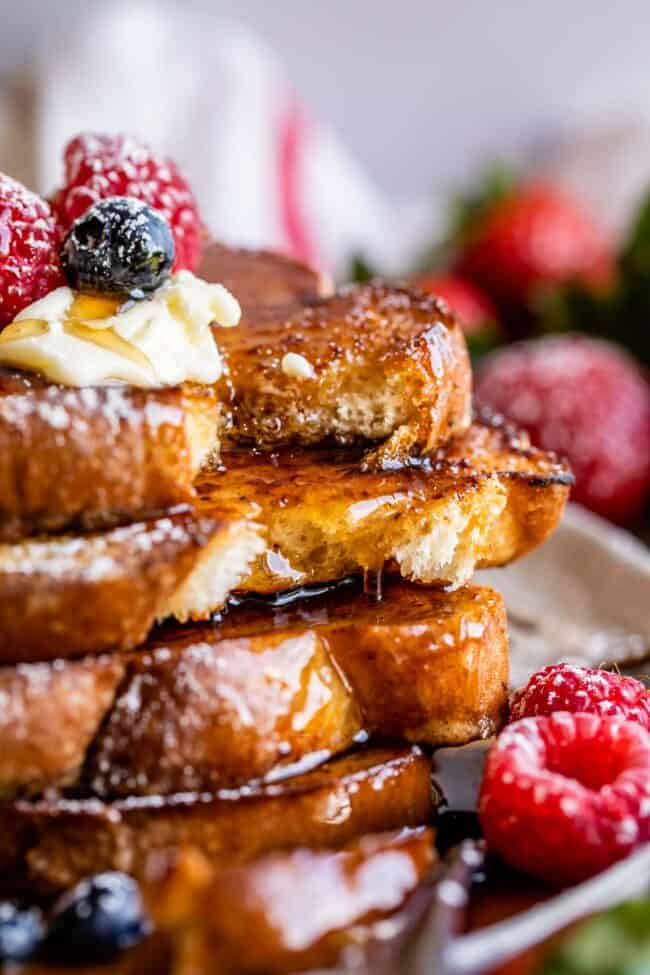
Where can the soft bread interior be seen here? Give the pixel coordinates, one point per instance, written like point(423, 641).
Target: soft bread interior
point(220, 568)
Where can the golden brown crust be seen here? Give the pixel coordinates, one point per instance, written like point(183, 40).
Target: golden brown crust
point(217, 706)
point(96, 457)
point(70, 595)
point(49, 845)
point(484, 500)
point(49, 715)
point(387, 362)
point(262, 278)
point(209, 916)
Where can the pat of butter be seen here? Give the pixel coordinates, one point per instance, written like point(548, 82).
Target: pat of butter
point(79, 340)
point(297, 367)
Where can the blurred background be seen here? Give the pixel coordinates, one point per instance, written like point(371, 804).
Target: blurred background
point(497, 155)
point(420, 89)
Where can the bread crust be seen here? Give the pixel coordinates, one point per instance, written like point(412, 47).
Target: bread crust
point(92, 458)
point(262, 278)
point(209, 919)
point(49, 845)
point(221, 705)
point(485, 499)
point(66, 596)
point(388, 364)
point(49, 716)
point(391, 368)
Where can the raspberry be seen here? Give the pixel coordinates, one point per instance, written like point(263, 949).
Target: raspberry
point(99, 166)
point(565, 796)
point(29, 249)
point(563, 687)
point(585, 399)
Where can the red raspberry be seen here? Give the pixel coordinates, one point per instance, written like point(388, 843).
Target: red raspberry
point(567, 795)
point(97, 166)
point(583, 398)
point(563, 687)
point(29, 249)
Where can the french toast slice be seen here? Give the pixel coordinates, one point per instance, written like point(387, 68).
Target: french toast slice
point(94, 457)
point(389, 364)
point(49, 716)
point(219, 706)
point(50, 844)
point(262, 278)
point(485, 499)
point(65, 596)
point(87, 459)
point(209, 915)
point(203, 918)
point(371, 363)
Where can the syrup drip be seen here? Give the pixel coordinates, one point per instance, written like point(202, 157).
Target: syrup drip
point(288, 597)
point(373, 583)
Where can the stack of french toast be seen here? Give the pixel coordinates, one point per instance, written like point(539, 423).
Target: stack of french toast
point(237, 617)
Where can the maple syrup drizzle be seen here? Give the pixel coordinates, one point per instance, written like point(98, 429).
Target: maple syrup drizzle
point(289, 597)
point(373, 582)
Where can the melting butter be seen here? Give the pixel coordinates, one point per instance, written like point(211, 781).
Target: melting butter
point(81, 340)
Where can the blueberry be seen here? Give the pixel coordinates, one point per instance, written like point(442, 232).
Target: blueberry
point(21, 931)
point(96, 919)
point(119, 246)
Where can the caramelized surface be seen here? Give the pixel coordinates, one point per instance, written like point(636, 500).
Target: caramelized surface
point(388, 363)
point(305, 907)
point(49, 845)
point(204, 920)
point(260, 278)
point(49, 715)
point(97, 457)
point(70, 595)
point(217, 706)
point(485, 499)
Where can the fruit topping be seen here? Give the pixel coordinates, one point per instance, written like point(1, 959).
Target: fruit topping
point(585, 399)
point(100, 166)
point(118, 246)
point(473, 307)
point(567, 795)
point(95, 920)
point(564, 687)
point(21, 932)
point(476, 312)
point(534, 236)
point(29, 249)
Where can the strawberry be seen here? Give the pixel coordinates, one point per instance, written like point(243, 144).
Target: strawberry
point(474, 309)
point(531, 238)
point(476, 312)
point(585, 399)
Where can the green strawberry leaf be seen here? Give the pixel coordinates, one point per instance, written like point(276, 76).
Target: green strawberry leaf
point(635, 256)
point(361, 270)
point(466, 211)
